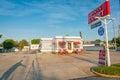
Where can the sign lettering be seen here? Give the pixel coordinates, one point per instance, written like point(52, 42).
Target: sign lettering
point(102, 11)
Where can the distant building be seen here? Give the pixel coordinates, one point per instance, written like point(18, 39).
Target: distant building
point(26, 48)
point(1, 49)
point(46, 45)
point(15, 49)
point(61, 44)
point(34, 46)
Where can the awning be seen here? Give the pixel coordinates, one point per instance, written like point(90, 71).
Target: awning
point(76, 42)
point(62, 42)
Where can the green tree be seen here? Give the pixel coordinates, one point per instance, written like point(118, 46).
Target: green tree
point(35, 41)
point(66, 34)
point(22, 44)
point(0, 35)
point(8, 44)
point(98, 41)
point(1, 45)
point(118, 41)
point(16, 44)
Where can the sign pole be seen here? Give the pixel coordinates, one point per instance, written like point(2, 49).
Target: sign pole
point(101, 14)
point(107, 46)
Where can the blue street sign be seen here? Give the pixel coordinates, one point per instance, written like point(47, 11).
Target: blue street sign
point(101, 31)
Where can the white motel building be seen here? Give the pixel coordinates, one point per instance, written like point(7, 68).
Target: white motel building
point(61, 44)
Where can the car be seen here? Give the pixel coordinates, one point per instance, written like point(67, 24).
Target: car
point(118, 49)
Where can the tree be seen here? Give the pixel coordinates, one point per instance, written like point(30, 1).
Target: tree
point(35, 41)
point(22, 44)
point(16, 44)
point(98, 41)
point(1, 45)
point(8, 44)
point(118, 41)
point(66, 34)
point(0, 35)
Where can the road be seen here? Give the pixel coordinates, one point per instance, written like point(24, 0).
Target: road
point(32, 66)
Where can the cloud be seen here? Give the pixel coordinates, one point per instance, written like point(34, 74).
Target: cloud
point(22, 8)
point(19, 8)
point(61, 16)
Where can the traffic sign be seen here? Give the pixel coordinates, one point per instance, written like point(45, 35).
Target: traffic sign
point(101, 31)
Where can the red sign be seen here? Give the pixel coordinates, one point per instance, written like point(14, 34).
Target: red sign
point(102, 57)
point(102, 11)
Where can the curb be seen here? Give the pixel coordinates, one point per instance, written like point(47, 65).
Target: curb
point(104, 75)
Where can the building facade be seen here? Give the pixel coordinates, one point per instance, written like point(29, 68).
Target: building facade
point(67, 44)
point(61, 44)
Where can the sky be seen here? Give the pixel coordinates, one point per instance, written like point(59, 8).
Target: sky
point(30, 19)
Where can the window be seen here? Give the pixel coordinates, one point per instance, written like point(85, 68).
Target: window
point(76, 46)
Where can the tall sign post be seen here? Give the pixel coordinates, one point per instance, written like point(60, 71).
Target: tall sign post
point(101, 15)
point(107, 46)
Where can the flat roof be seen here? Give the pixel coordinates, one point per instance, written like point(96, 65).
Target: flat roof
point(78, 37)
point(46, 38)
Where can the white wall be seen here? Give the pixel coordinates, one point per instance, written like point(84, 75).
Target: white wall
point(34, 46)
point(46, 44)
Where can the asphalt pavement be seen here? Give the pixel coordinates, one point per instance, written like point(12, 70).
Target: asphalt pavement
point(39, 66)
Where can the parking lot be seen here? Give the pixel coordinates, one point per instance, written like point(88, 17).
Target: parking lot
point(39, 66)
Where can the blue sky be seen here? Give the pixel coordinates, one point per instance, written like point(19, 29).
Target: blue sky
point(29, 19)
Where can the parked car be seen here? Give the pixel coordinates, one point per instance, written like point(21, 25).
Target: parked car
point(118, 49)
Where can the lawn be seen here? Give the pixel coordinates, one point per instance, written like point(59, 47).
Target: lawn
point(111, 70)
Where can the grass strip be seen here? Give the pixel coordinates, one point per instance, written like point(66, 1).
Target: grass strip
point(111, 70)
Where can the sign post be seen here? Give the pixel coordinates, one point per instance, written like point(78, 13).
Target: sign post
point(107, 46)
point(102, 13)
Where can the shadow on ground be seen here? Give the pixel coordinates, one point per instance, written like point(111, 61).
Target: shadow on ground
point(6, 74)
point(87, 60)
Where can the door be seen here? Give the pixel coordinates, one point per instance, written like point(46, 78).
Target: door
point(69, 46)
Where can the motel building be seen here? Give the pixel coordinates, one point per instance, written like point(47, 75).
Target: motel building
point(62, 44)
